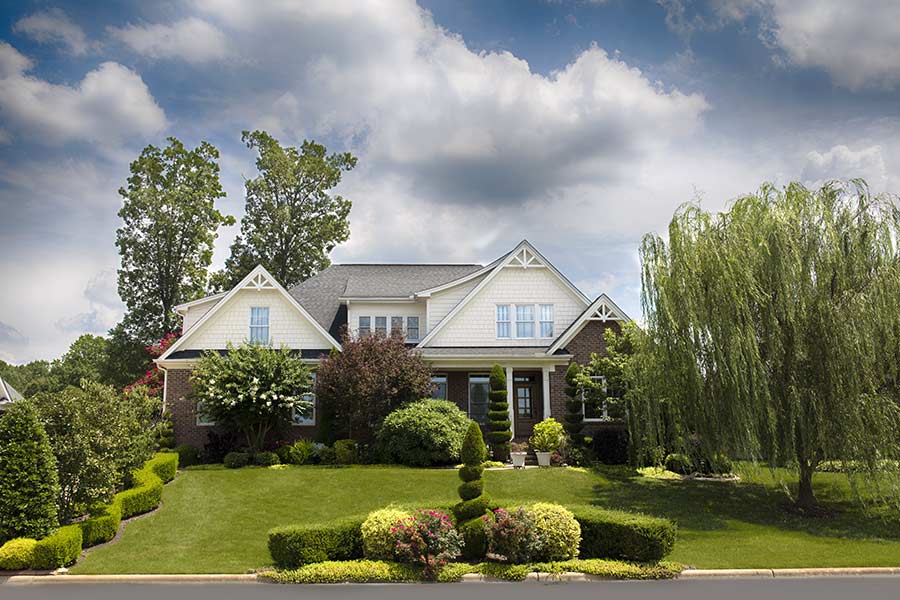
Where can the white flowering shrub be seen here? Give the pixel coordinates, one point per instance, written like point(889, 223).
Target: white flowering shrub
point(252, 389)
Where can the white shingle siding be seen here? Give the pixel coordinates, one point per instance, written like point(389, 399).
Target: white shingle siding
point(386, 309)
point(475, 324)
point(232, 324)
point(195, 313)
point(443, 302)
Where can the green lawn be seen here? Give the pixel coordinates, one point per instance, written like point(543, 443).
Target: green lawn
point(216, 520)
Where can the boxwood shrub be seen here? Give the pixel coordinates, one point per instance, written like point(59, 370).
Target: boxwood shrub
point(187, 455)
point(294, 545)
point(103, 523)
point(17, 554)
point(265, 459)
point(557, 531)
point(236, 460)
point(622, 535)
point(60, 548)
point(423, 434)
point(352, 571)
point(378, 541)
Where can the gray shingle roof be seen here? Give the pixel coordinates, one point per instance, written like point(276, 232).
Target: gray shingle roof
point(320, 294)
point(508, 351)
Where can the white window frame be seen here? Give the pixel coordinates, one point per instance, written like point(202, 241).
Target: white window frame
point(311, 422)
point(533, 324)
point(409, 328)
point(267, 326)
point(376, 329)
point(542, 321)
point(198, 417)
point(506, 322)
point(360, 328)
point(605, 414)
point(400, 328)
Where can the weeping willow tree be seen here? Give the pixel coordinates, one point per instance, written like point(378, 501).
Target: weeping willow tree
point(779, 324)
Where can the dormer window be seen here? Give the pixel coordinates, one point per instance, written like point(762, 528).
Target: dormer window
point(259, 325)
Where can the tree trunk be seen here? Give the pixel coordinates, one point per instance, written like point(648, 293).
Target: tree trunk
point(806, 498)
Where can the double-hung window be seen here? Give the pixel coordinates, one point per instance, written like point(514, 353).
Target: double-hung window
point(259, 325)
point(412, 329)
point(202, 419)
point(546, 320)
point(381, 325)
point(439, 386)
point(365, 326)
point(524, 320)
point(479, 386)
point(503, 330)
point(396, 325)
point(306, 417)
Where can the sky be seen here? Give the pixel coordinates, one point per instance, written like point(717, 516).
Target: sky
point(579, 125)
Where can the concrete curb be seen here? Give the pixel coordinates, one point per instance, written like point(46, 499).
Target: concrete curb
point(143, 578)
point(774, 573)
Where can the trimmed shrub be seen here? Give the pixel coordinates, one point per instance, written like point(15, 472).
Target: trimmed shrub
point(377, 537)
point(17, 554)
point(679, 463)
point(294, 545)
point(473, 509)
point(499, 425)
point(473, 452)
point(187, 455)
point(574, 417)
point(548, 435)
point(471, 472)
point(429, 539)
point(265, 459)
point(623, 535)
point(349, 571)
point(236, 460)
point(59, 549)
point(29, 484)
point(610, 445)
point(469, 490)
point(423, 434)
point(558, 533)
point(510, 535)
point(103, 524)
point(346, 452)
point(326, 455)
point(475, 543)
point(300, 452)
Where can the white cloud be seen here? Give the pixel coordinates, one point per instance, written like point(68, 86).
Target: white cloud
point(192, 40)
point(856, 43)
point(104, 306)
point(53, 26)
point(840, 162)
point(111, 104)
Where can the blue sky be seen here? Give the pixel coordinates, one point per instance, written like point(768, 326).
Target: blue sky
point(580, 125)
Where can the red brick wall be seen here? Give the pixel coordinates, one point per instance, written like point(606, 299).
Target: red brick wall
point(589, 340)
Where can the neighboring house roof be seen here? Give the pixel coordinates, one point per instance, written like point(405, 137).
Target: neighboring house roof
point(322, 293)
point(8, 394)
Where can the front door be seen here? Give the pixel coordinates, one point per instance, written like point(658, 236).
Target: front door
point(527, 401)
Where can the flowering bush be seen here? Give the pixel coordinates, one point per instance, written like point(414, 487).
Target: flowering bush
point(427, 538)
point(153, 377)
point(251, 390)
point(510, 535)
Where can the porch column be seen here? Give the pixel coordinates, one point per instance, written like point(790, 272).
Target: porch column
point(545, 380)
point(511, 401)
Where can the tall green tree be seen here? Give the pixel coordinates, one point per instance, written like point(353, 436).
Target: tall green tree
point(292, 221)
point(780, 322)
point(86, 358)
point(169, 224)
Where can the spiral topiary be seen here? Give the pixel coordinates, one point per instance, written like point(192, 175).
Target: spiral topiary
point(474, 503)
point(574, 417)
point(499, 424)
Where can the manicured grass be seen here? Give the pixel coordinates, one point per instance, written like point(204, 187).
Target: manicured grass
point(216, 520)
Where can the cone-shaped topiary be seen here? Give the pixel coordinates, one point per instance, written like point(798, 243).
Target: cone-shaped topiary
point(574, 418)
point(499, 432)
point(474, 502)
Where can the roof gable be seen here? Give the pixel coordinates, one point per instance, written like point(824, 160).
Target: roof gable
point(524, 256)
point(602, 309)
point(258, 279)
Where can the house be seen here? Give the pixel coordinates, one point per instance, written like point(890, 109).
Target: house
point(518, 311)
point(8, 395)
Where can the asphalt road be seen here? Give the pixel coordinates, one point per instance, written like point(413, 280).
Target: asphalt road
point(867, 588)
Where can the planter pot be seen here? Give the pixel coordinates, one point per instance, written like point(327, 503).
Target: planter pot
point(518, 459)
point(543, 459)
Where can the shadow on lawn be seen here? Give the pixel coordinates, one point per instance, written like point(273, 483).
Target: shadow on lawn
point(708, 505)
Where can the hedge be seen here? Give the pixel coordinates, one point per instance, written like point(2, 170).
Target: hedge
point(292, 546)
point(17, 553)
point(103, 524)
point(352, 571)
point(60, 548)
point(623, 535)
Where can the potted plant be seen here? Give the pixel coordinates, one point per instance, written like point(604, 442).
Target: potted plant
point(546, 439)
point(518, 452)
